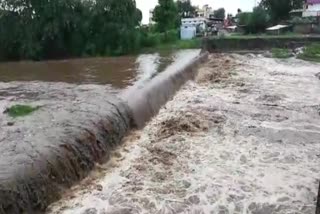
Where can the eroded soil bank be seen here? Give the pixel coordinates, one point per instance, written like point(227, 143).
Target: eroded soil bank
point(242, 138)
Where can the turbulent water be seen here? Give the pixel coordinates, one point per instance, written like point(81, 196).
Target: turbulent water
point(243, 138)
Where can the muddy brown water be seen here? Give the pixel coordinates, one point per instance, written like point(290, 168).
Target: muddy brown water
point(118, 72)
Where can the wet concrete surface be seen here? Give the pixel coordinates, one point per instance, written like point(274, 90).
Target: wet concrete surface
point(242, 138)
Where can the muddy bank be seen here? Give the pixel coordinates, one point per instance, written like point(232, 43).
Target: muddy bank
point(242, 138)
point(75, 127)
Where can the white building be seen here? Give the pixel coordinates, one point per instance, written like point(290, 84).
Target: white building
point(188, 29)
point(205, 11)
point(198, 21)
point(311, 8)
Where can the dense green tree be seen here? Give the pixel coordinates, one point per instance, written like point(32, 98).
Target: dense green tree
point(220, 13)
point(36, 29)
point(165, 15)
point(258, 20)
point(254, 22)
point(185, 9)
point(279, 9)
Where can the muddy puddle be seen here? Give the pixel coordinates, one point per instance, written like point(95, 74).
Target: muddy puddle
point(241, 139)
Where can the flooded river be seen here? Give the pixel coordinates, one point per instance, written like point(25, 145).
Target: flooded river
point(116, 71)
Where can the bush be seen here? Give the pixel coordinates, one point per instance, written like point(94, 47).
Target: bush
point(170, 36)
point(311, 53)
point(150, 39)
point(20, 110)
point(280, 53)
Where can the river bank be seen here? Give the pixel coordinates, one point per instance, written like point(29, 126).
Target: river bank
point(242, 138)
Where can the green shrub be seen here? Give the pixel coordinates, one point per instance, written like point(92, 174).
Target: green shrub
point(189, 44)
point(20, 110)
point(280, 53)
point(151, 40)
point(170, 36)
point(311, 53)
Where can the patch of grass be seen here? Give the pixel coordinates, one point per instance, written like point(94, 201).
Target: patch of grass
point(20, 110)
point(280, 53)
point(311, 53)
point(179, 44)
point(262, 36)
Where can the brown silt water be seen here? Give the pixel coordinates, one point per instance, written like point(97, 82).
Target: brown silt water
point(116, 71)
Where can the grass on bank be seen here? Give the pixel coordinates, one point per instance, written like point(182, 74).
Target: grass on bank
point(280, 53)
point(311, 53)
point(20, 110)
point(175, 45)
point(261, 36)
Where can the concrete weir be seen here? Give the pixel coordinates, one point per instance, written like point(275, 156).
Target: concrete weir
point(39, 162)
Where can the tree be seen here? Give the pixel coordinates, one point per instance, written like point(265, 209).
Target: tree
point(254, 22)
point(280, 9)
point(258, 20)
point(165, 15)
point(220, 13)
point(37, 29)
point(185, 9)
point(138, 16)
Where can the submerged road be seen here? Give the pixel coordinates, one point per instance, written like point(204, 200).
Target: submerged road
point(242, 138)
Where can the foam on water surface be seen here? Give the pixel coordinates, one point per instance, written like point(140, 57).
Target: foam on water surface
point(247, 143)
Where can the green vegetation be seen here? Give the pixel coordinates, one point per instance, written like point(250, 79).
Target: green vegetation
point(255, 22)
point(20, 110)
point(33, 29)
point(220, 13)
point(262, 36)
point(178, 44)
point(311, 53)
point(279, 10)
point(185, 9)
point(165, 15)
point(280, 53)
point(268, 13)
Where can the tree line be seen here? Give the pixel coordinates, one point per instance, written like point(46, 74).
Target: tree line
point(268, 12)
point(40, 29)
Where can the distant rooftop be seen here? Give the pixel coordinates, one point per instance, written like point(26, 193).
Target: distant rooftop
point(313, 1)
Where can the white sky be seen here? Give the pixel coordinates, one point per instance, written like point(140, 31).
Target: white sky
point(231, 6)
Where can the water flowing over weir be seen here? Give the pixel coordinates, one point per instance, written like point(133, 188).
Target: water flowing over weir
point(38, 164)
point(145, 102)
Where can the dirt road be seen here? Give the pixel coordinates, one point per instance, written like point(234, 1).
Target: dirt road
point(243, 138)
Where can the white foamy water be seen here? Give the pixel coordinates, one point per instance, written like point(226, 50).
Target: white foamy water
point(147, 67)
point(248, 144)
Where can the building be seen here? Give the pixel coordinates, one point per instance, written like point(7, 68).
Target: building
point(311, 8)
point(204, 12)
point(195, 22)
point(190, 27)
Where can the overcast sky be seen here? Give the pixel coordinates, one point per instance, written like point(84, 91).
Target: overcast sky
point(231, 6)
